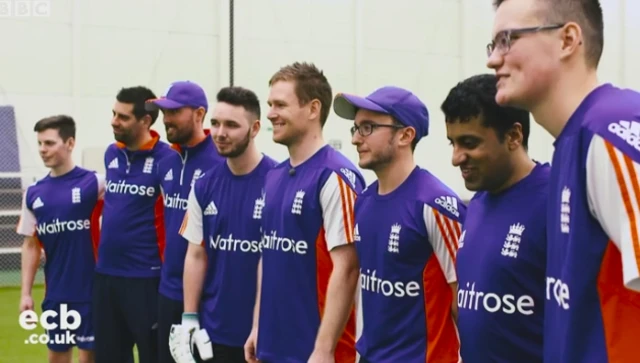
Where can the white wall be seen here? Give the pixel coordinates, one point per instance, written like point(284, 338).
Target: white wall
point(76, 60)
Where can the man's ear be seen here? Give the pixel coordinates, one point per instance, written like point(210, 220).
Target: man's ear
point(408, 134)
point(572, 39)
point(71, 143)
point(514, 137)
point(201, 113)
point(315, 107)
point(255, 128)
point(146, 120)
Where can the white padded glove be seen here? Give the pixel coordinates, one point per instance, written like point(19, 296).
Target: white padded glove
point(183, 337)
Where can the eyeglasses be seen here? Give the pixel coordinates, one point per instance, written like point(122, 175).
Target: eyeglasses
point(367, 128)
point(503, 39)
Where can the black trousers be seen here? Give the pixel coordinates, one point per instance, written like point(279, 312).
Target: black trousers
point(169, 313)
point(125, 314)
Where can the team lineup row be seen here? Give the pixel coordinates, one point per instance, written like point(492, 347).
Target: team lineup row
point(209, 250)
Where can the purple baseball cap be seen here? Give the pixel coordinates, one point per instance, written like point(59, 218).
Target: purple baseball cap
point(396, 102)
point(180, 94)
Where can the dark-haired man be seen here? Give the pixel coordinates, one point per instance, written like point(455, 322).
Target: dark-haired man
point(223, 225)
point(60, 214)
point(501, 256)
point(183, 106)
point(546, 55)
point(131, 251)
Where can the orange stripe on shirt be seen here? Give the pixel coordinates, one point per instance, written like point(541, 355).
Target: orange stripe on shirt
point(347, 200)
point(443, 228)
point(626, 196)
point(620, 308)
point(95, 227)
point(454, 229)
point(346, 347)
point(185, 221)
point(633, 175)
point(442, 339)
point(159, 224)
point(458, 230)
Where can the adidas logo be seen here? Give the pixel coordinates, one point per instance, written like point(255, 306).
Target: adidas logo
point(113, 164)
point(37, 203)
point(449, 203)
point(629, 131)
point(211, 209)
point(349, 175)
point(169, 175)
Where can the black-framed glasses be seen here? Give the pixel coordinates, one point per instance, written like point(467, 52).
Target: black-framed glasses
point(503, 40)
point(367, 129)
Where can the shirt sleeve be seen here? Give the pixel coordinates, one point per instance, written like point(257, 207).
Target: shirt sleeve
point(613, 191)
point(191, 228)
point(443, 233)
point(101, 185)
point(27, 222)
point(337, 199)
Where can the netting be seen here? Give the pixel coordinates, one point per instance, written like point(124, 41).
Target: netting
point(12, 184)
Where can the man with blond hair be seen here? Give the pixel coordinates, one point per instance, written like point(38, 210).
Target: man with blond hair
point(308, 272)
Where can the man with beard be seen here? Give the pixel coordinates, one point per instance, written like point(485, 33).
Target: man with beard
point(407, 225)
point(222, 224)
point(184, 107)
point(131, 248)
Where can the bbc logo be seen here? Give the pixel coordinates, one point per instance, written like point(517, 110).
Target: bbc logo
point(25, 8)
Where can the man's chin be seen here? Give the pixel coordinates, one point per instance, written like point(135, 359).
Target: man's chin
point(283, 138)
point(367, 164)
point(230, 153)
point(178, 140)
point(503, 99)
point(121, 138)
point(473, 186)
point(509, 99)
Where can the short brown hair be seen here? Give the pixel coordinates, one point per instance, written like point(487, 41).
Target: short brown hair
point(310, 84)
point(65, 125)
point(586, 13)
